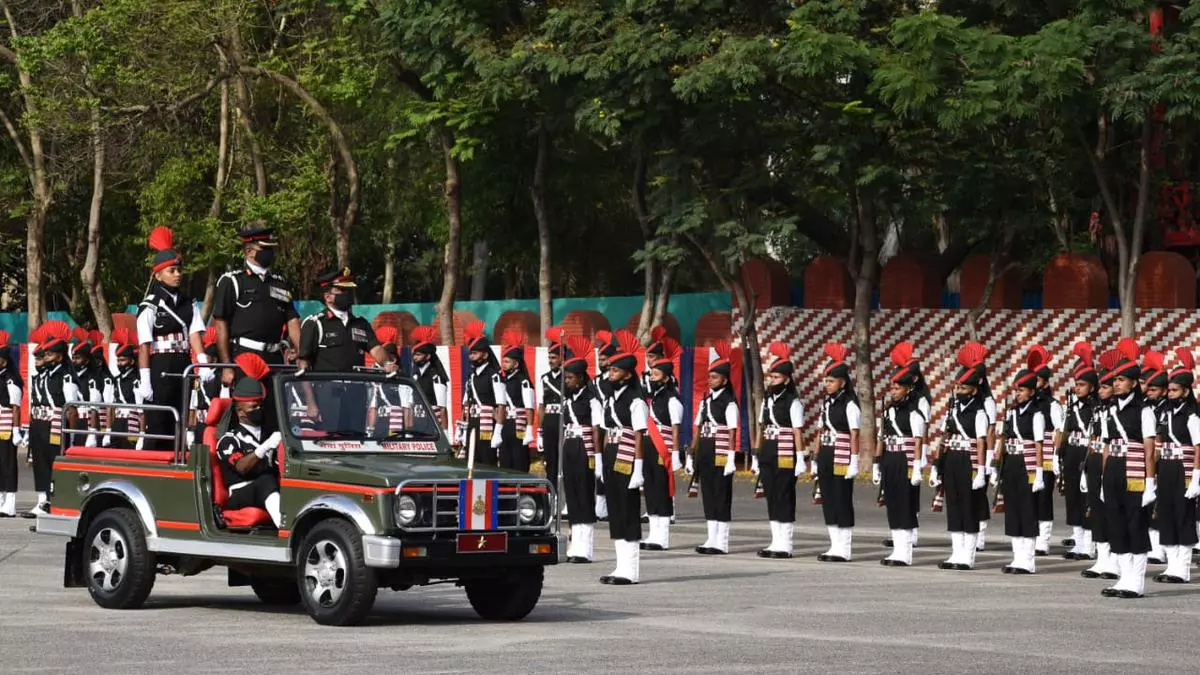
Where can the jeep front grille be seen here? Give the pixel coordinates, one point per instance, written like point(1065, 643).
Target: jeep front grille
point(439, 504)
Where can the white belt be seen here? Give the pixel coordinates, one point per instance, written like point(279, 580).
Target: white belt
point(169, 345)
point(269, 347)
point(553, 408)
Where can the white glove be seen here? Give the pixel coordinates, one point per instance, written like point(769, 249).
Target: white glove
point(988, 456)
point(675, 462)
point(90, 442)
point(730, 466)
point(106, 441)
point(754, 466)
point(1039, 482)
point(1193, 489)
point(1150, 493)
point(599, 468)
point(924, 458)
point(689, 466)
point(980, 479)
point(528, 436)
point(876, 474)
point(189, 437)
point(541, 447)
point(934, 478)
point(1083, 483)
point(141, 443)
point(268, 445)
point(20, 437)
point(916, 474)
point(636, 480)
point(812, 467)
point(1055, 465)
point(1101, 492)
point(799, 465)
point(497, 438)
point(852, 471)
point(144, 388)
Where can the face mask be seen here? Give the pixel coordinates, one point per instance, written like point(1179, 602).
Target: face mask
point(963, 399)
point(265, 257)
point(255, 417)
point(776, 388)
point(342, 302)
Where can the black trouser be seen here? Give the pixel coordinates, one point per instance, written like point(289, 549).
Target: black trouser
point(1043, 502)
point(550, 439)
point(657, 487)
point(514, 454)
point(1175, 516)
point(1072, 470)
point(117, 437)
point(579, 483)
point(8, 466)
point(1095, 518)
point(779, 483)
point(165, 380)
point(44, 453)
point(837, 493)
point(957, 472)
point(255, 493)
point(1128, 520)
point(270, 418)
point(485, 454)
point(716, 489)
point(1020, 515)
point(624, 514)
point(897, 490)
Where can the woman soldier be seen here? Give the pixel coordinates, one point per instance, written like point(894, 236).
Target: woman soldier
point(1022, 473)
point(1179, 435)
point(168, 324)
point(964, 464)
point(518, 428)
point(625, 419)
point(837, 457)
point(780, 439)
point(1076, 439)
point(898, 462)
point(716, 422)
point(582, 414)
point(666, 417)
point(1090, 484)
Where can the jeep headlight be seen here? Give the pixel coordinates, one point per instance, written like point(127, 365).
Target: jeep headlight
point(527, 509)
point(406, 510)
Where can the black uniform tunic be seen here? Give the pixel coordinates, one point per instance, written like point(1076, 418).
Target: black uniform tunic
point(713, 420)
point(1073, 454)
point(1052, 414)
point(780, 415)
point(337, 344)
point(128, 420)
point(903, 426)
point(253, 487)
point(601, 390)
point(1179, 432)
point(1101, 429)
point(10, 396)
point(583, 413)
point(484, 391)
point(839, 416)
point(1132, 421)
point(1023, 426)
point(56, 388)
point(550, 397)
point(965, 425)
point(666, 411)
point(514, 454)
point(166, 320)
point(625, 419)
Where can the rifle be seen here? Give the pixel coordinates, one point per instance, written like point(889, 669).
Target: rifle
point(998, 503)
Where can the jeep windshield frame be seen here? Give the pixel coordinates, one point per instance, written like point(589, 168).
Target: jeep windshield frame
point(365, 397)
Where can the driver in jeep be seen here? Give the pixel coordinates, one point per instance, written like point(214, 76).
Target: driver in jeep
point(247, 460)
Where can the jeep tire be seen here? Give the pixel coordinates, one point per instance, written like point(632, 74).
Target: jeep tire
point(336, 586)
point(118, 568)
point(276, 592)
point(508, 598)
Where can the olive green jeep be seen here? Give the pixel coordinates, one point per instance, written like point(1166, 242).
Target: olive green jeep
point(372, 498)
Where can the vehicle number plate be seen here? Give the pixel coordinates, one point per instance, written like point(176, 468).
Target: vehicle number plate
point(484, 542)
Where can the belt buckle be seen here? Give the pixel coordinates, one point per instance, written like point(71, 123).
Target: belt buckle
point(771, 433)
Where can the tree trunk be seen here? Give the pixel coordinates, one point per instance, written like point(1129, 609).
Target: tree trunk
point(480, 254)
point(864, 284)
point(664, 295)
point(89, 273)
point(389, 275)
point(649, 268)
point(537, 194)
point(242, 97)
point(452, 193)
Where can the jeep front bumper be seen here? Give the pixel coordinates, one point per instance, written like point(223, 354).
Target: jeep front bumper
point(442, 552)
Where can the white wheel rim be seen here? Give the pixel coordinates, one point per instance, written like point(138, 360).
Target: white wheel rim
point(325, 573)
point(108, 560)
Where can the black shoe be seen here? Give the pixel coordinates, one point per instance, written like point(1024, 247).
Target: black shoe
point(962, 567)
point(780, 555)
point(944, 565)
point(606, 579)
point(764, 553)
point(1020, 570)
point(1110, 576)
point(1041, 554)
point(704, 550)
point(1169, 579)
point(1153, 561)
point(1068, 542)
point(834, 558)
point(8, 515)
point(1128, 595)
point(645, 519)
point(1083, 556)
point(823, 557)
point(578, 560)
point(1007, 569)
point(620, 581)
point(1088, 574)
point(1109, 592)
point(1070, 556)
point(652, 547)
point(888, 562)
point(888, 543)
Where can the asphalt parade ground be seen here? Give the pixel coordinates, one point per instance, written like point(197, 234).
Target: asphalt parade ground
point(713, 614)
